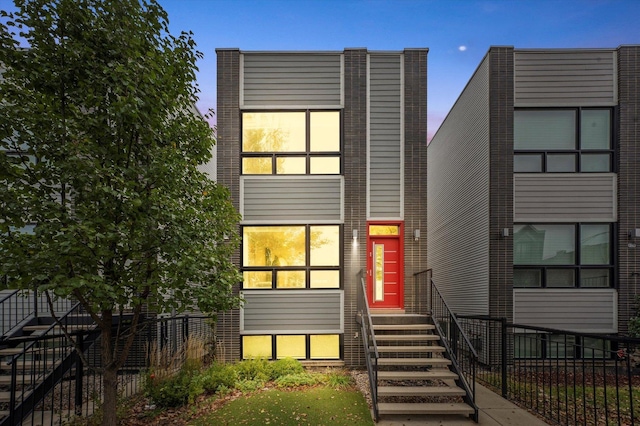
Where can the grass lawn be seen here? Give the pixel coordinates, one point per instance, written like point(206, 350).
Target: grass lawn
point(307, 406)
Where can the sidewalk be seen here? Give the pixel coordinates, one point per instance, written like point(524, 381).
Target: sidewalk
point(494, 411)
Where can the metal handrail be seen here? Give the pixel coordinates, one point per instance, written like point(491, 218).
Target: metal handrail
point(369, 342)
point(448, 341)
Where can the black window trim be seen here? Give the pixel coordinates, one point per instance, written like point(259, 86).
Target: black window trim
point(577, 151)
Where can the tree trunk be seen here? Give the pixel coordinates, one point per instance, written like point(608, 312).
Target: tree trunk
point(110, 390)
point(109, 374)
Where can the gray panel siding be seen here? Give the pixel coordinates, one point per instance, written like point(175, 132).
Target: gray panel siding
point(295, 79)
point(583, 310)
point(278, 198)
point(565, 78)
point(458, 194)
point(275, 311)
point(561, 197)
point(385, 135)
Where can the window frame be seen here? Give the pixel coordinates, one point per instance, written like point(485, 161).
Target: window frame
point(307, 336)
point(307, 267)
point(307, 154)
point(578, 266)
point(578, 151)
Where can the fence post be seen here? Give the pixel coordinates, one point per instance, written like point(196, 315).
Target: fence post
point(504, 345)
point(79, 376)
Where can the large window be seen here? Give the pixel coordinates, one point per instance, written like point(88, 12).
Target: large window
point(290, 257)
point(562, 255)
point(305, 142)
point(562, 140)
point(298, 346)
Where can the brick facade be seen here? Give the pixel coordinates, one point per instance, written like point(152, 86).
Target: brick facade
point(501, 181)
point(628, 150)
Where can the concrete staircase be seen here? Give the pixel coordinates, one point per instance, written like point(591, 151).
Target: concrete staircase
point(414, 374)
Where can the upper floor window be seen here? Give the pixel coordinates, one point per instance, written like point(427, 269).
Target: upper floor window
point(298, 142)
point(291, 256)
point(563, 140)
point(562, 255)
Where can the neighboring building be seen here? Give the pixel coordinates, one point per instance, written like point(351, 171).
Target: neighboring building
point(325, 157)
point(534, 179)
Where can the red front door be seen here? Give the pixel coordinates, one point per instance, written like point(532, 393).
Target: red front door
point(384, 270)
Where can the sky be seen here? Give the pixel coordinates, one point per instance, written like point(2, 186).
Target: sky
point(458, 33)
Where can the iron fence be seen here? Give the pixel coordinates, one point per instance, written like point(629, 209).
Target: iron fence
point(569, 378)
point(50, 384)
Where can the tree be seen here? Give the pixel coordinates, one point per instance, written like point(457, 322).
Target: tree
point(100, 149)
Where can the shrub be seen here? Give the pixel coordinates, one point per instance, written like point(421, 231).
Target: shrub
point(248, 385)
point(284, 367)
point(297, 379)
point(253, 369)
point(170, 391)
point(218, 376)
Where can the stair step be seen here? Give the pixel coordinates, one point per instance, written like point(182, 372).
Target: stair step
point(420, 391)
point(434, 374)
point(410, 349)
point(25, 379)
point(6, 396)
point(395, 327)
point(413, 361)
point(424, 408)
point(69, 327)
point(405, 337)
point(10, 351)
point(37, 365)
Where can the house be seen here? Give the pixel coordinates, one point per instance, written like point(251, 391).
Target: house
point(533, 186)
point(325, 157)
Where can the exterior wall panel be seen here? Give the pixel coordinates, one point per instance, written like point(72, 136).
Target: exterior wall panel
point(458, 194)
point(292, 311)
point(291, 79)
point(287, 199)
point(385, 135)
point(561, 197)
point(565, 78)
point(581, 310)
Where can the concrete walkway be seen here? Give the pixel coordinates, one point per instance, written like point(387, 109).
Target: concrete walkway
point(494, 411)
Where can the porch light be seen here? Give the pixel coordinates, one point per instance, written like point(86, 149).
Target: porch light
point(416, 234)
point(355, 235)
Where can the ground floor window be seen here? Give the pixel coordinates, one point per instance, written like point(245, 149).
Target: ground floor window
point(563, 255)
point(298, 346)
point(537, 345)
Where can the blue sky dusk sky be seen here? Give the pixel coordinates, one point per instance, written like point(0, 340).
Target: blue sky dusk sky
point(458, 33)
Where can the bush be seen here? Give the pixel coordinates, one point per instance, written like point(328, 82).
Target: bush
point(247, 385)
point(253, 369)
point(170, 391)
point(218, 376)
point(298, 379)
point(284, 367)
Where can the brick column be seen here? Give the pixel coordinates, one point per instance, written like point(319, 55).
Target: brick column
point(628, 151)
point(228, 165)
point(501, 181)
point(355, 193)
point(415, 176)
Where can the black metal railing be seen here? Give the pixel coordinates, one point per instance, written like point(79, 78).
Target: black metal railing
point(568, 378)
point(458, 347)
point(368, 341)
point(50, 384)
point(19, 306)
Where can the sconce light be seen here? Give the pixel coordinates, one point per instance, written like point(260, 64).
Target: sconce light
point(634, 233)
point(416, 234)
point(504, 233)
point(355, 235)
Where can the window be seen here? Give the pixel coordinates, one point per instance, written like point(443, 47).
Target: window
point(562, 140)
point(291, 257)
point(533, 344)
point(562, 255)
point(296, 142)
point(298, 346)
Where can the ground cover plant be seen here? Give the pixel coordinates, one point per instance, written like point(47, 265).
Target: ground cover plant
point(249, 392)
